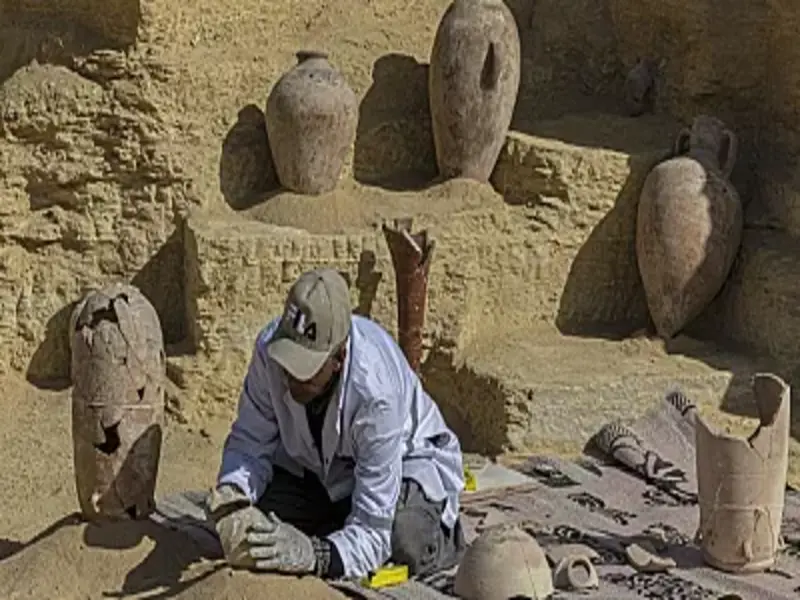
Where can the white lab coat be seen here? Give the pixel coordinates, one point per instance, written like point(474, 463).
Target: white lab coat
point(384, 427)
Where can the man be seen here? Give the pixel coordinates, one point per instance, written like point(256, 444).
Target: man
point(338, 460)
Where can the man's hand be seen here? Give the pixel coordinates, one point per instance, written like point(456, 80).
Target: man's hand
point(233, 516)
point(278, 546)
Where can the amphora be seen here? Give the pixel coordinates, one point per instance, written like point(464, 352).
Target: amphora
point(118, 369)
point(473, 85)
point(503, 562)
point(689, 225)
point(741, 484)
point(311, 115)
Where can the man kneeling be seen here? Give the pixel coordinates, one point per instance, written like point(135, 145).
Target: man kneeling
point(337, 460)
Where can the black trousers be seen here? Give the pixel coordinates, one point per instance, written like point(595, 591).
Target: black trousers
point(419, 538)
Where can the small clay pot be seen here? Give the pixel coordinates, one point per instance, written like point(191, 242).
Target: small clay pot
point(503, 562)
point(311, 118)
point(689, 225)
point(473, 85)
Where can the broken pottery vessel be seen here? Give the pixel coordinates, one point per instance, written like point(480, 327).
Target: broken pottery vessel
point(411, 257)
point(689, 225)
point(742, 482)
point(503, 562)
point(473, 85)
point(575, 573)
point(118, 370)
point(311, 116)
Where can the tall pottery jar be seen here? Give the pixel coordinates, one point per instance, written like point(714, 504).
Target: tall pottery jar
point(118, 370)
point(312, 114)
point(741, 484)
point(689, 225)
point(473, 85)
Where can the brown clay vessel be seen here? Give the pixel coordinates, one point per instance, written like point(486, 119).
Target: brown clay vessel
point(473, 85)
point(311, 118)
point(742, 482)
point(118, 370)
point(689, 225)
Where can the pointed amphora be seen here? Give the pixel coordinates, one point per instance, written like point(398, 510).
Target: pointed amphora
point(689, 225)
point(742, 482)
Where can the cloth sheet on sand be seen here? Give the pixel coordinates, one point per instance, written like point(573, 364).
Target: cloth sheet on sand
point(639, 481)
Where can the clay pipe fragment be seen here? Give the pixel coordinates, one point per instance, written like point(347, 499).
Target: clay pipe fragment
point(411, 258)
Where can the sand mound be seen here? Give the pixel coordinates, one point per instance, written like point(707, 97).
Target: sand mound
point(353, 207)
point(134, 560)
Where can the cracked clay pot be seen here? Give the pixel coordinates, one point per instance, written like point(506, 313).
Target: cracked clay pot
point(689, 225)
point(504, 562)
point(118, 370)
point(742, 482)
point(473, 85)
point(311, 115)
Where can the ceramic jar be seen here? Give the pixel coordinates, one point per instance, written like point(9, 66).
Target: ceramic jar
point(473, 85)
point(118, 370)
point(741, 483)
point(311, 116)
point(503, 562)
point(689, 225)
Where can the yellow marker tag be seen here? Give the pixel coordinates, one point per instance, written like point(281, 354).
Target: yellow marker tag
point(386, 577)
point(470, 483)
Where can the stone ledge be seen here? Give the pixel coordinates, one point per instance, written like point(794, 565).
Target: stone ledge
point(537, 389)
point(564, 256)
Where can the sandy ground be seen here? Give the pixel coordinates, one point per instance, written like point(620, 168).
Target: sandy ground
point(40, 537)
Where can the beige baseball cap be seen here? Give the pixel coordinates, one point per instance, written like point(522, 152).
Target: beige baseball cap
point(315, 322)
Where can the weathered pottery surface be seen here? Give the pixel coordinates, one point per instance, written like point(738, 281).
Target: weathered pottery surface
point(689, 225)
point(742, 482)
point(311, 116)
point(503, 562)
point(473, 83)
point(118, 374)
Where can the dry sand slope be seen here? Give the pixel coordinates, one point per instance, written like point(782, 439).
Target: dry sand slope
point(63, 559)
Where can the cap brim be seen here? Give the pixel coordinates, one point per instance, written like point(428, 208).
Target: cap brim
point(301, 363)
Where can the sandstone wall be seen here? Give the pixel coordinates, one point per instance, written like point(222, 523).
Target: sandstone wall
point(119, 119)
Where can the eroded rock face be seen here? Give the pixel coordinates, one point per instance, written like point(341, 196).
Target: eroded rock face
point(118, 374)
point(689, 225)
point(88, 193)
